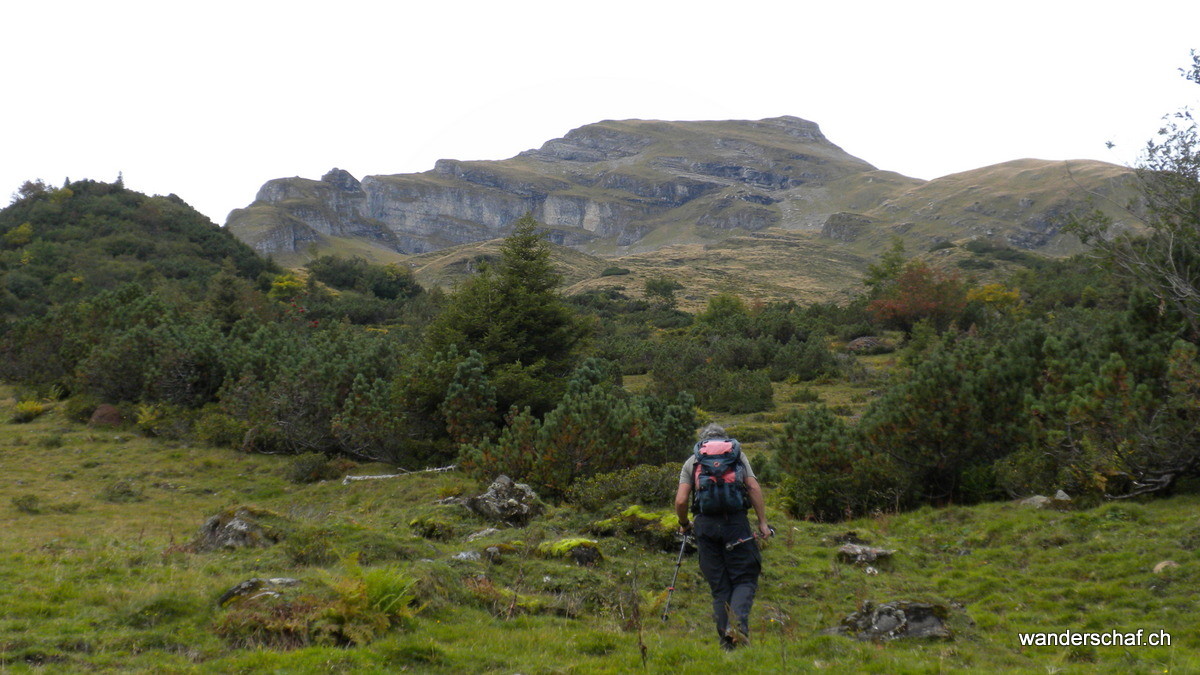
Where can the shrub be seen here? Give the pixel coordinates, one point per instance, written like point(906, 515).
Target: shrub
point(163, 420)
point(805, 395)
point(828, 476)
point(312, 467)
point(27, 411)
point(596, 427)
point(213, 427)
point(30, 504)
point(79, 408)
point(738, 392)
point(614, 272)
point(643, 484)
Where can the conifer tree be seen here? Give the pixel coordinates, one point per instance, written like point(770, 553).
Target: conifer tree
point(513, 315)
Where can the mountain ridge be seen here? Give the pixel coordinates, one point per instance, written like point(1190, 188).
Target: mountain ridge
point(621, 188)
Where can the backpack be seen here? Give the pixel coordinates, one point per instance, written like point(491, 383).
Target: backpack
point(720, 478)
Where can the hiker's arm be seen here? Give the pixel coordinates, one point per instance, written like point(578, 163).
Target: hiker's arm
point(760, 508)
point(681, 506)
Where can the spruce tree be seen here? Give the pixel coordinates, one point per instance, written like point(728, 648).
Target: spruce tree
point(514, 316)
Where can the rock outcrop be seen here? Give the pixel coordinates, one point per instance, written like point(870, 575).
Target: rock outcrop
point(242, 527)
point(895, 620)
point(613, 182)
point(506, 502)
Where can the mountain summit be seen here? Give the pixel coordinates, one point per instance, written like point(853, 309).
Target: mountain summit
point(622, 187)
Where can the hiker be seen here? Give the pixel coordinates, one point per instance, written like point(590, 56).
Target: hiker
point(718, 485)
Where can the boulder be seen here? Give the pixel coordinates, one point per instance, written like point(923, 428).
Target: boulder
point(234, 529)
point(1036, 501)
point(893, 621)
point(1060, 501)
point(106, 415)
point(507, 502)
point(869, 345)
point(863, 555)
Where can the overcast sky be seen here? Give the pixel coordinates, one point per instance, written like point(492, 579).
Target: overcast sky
point(210, 100)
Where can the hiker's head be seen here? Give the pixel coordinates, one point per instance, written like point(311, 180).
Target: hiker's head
point(712, 431)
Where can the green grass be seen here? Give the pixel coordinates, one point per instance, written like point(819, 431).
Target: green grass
point(108, 585)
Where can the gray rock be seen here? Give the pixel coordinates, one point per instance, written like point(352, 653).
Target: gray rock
point(239, 528)
point(846, 227)
point(468, 556)
point(863, 555)
point(1036, 501)
point(507, 502)
point(256, 588)
point(1062, 496)
point(482, 533)
point(893, 621)
point(869, 345)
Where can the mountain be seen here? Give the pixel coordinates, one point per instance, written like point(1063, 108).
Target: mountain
point(635, 188)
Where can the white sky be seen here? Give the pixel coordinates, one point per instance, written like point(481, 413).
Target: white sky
point(210, 100)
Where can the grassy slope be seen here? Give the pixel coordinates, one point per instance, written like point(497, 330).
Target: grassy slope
point(94, 585)
point(769, 266)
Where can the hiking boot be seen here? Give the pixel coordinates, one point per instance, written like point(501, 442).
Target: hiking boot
point(735, 638)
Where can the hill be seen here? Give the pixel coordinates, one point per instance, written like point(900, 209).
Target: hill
point(70, 243)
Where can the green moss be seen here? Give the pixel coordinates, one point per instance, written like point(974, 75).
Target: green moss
point(563, 547)
point(654, 528)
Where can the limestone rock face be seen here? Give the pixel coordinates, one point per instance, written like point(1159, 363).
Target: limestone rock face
point(611, 182)
point(627, 187)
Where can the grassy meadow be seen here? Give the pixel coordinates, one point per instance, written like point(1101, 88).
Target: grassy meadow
point(98, 576)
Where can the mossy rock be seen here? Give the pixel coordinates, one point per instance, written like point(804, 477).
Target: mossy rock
point(240, 527)
point(656, 529)
point(434, 527)
point(581, 551)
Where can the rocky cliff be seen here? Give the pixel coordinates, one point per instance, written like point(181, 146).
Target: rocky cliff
point(601, 186)
point(625, 187)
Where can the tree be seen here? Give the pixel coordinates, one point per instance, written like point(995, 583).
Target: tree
point(662, 289)
point(514, 316)
point(881, 275)
point(920, 292)
point(1166, 259)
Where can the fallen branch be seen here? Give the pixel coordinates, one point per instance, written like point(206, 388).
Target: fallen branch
point(440, 469)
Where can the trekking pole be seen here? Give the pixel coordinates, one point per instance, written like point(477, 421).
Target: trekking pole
point(671, 588)
point(734, 544)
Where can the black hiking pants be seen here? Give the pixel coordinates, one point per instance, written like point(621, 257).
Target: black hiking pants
point(731, 572)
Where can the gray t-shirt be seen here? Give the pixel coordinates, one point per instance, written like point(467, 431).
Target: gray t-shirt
point(688, 473)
